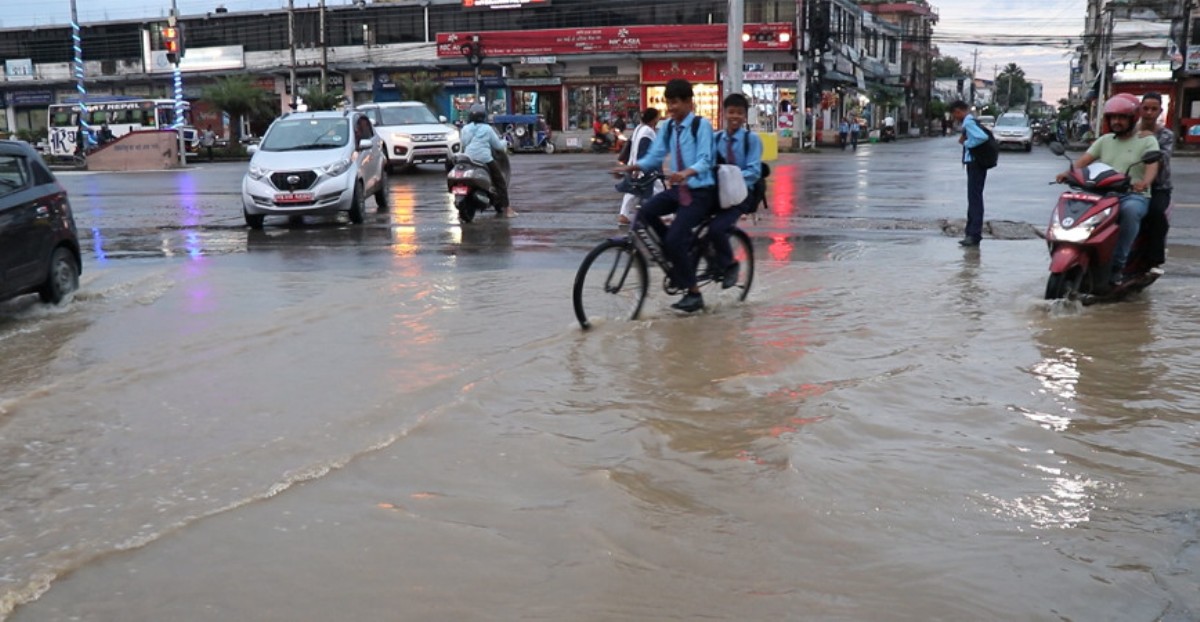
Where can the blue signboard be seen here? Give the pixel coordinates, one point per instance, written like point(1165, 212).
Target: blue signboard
point(31, 98)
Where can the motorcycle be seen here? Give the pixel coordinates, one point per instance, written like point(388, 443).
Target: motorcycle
point(602, 143)
point(471, 184)
point(1082, 236)
point(887, 133)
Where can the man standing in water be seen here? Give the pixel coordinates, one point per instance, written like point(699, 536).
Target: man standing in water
point(972, 136)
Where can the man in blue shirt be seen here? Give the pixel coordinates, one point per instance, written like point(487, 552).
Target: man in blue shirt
point(972, 137)
point(479, 141)
point(738, 146)
point(686, 140)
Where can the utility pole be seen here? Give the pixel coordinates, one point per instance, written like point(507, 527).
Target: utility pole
point(324, 52)
point(734, 65)
point(178, 80)
point(974, 68)
point(292, 49)
point(85, 129)
point(801, 41)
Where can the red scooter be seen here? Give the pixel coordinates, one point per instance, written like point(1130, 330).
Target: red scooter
point(1082, 236)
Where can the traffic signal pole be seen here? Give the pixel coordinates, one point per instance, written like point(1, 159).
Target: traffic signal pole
point(85, 130)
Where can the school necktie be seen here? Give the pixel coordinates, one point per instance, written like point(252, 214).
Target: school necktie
point(685, 193)
point(729, 149)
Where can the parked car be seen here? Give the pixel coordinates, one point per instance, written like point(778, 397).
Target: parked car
point(1012, 128)
point(412, 134)
point(315, 163)
point(39, 248)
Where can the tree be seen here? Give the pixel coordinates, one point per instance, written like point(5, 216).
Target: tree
point(1011, 87)
point(423, 90)
point(324, 100)
point(948, 67)
point(237, 96)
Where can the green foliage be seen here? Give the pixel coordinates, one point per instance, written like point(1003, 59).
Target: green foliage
point(423, 90)
point(1012, 90)
point(324, 100)
point(886, 99)
point(937, 109)
point(948, 67)
point(239, 97)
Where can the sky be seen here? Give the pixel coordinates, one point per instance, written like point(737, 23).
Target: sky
point(959, 21)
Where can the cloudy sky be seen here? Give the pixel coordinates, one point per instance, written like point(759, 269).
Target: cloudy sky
point(964, 27)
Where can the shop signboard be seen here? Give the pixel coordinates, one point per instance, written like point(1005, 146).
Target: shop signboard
point(31, 98)
point(18, 69)
point(608, 39)
point(662, 71)
point(503, 4)
point(1192, 62)
point(445, 77)
point(770, 76)
point(1148, 71)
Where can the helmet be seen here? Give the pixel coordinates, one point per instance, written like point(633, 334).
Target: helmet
point(1122, 104)
point(478, 114)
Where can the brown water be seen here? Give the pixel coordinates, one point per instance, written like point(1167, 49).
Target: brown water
point(888, 429)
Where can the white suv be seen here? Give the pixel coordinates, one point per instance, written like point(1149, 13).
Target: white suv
point(412, 134)
point(1012, 128)
point(315, 163)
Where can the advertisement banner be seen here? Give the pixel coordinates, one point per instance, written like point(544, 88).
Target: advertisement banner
point(1192, 63)
point(17, 69)
point(613, 39)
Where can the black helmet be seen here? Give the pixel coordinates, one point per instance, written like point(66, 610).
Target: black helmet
point(478, 114)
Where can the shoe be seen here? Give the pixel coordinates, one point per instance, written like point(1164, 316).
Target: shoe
point(731, 275)
point(968, 242)
point(689, 303)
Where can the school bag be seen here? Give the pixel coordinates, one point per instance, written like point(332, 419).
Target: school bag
point(987, 154)
point(759, 191)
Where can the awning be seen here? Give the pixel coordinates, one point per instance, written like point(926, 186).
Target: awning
point(838, 77)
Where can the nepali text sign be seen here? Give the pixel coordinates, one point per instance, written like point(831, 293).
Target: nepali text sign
point(609, 39)
point(502, 4)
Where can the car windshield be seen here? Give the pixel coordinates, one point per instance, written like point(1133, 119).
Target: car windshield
point(1011, 122)
point(302, 134)
point(406, 115)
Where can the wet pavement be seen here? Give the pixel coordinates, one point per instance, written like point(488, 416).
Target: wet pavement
point(402, 420)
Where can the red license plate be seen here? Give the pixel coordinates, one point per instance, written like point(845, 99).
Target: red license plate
point(460, 190)
point(293, 197)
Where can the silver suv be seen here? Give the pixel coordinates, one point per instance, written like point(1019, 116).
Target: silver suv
point(315, 163)
point(412, 134)
point(1012, 128)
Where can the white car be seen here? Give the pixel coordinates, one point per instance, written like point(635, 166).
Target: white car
point(314, 163)
point(1012, 128)
point(411, 134)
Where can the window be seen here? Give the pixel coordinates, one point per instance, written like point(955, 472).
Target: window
point(14, 175)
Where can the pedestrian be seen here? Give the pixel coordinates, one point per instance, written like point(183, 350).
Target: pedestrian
point(643, 136)
point(207, 140)
point(972, 136)
point(855, 128)
point(687, 142)
point(1155, 224)
point(843, 133)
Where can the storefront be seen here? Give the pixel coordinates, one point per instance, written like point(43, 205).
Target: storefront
point(1139, 78)
point(458, 89)
point(534, 89)
point(27, 109)
point(772, 96)
point(603, 94)
point(702, 73)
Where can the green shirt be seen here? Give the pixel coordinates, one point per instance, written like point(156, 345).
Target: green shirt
point(1123, 154)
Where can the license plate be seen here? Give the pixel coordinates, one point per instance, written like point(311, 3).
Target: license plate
point(460, 190)
point(294, 197)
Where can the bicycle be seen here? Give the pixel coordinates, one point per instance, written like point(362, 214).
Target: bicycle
point(614, 276)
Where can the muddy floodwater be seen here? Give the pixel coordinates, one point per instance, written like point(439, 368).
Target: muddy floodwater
point(404, 422)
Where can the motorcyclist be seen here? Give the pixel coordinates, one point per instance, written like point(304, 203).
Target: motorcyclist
point(478, 140)
point(1122, 149)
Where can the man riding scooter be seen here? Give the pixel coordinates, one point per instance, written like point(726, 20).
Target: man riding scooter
point(1122, 149)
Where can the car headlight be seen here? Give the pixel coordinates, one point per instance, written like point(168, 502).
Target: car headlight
point(257, 172)
point(1077, 232)
point(404, 137)
point(450, 136)
point(337, 168)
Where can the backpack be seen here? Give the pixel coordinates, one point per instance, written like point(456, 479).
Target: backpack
point(626, 152)
point(671, 128)
point(987, 154)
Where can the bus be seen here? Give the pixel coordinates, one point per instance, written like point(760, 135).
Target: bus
point(123, 115)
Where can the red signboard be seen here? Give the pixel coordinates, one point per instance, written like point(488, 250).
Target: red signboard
point(502, 4)
point(694, 71)
point(614, 39)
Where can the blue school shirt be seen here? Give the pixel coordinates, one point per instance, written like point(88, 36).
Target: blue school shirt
point(751, 165)
point(697, 152)
point(975, 136)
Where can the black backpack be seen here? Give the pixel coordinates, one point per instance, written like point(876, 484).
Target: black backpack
point(987, 154)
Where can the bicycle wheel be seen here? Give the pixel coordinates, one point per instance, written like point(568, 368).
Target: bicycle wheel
point(743, 254)
point(611, 283)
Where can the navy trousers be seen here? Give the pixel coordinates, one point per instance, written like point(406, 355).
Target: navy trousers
point(678, 238)
point(976, 178)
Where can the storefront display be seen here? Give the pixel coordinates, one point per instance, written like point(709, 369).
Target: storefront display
point(461, 102)
point(706, 92)
point(586, 102)
point(545, 101)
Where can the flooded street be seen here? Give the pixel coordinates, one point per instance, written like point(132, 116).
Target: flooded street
point(403, 421)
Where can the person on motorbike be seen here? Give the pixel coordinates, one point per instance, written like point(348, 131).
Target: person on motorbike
point(738, 146)
point(1155, 224)
point(1122, 149)
point(688, 140)
point(478, 140)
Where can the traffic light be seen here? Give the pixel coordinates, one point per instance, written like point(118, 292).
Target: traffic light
point(473, 51)
point(173, 43)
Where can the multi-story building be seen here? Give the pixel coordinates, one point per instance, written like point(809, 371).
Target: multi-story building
point(916, 19)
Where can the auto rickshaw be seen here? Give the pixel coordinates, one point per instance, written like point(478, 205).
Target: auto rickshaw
point(524, 132)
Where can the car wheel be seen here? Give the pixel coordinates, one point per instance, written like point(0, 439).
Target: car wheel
point(357, 205)
point(549, 148)
point(254, 221)
point(381, 193)
point(1028, 147)
point(63, 277)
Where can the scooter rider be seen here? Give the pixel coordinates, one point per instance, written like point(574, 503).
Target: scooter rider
point(478, 140)
point(1122, 149)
